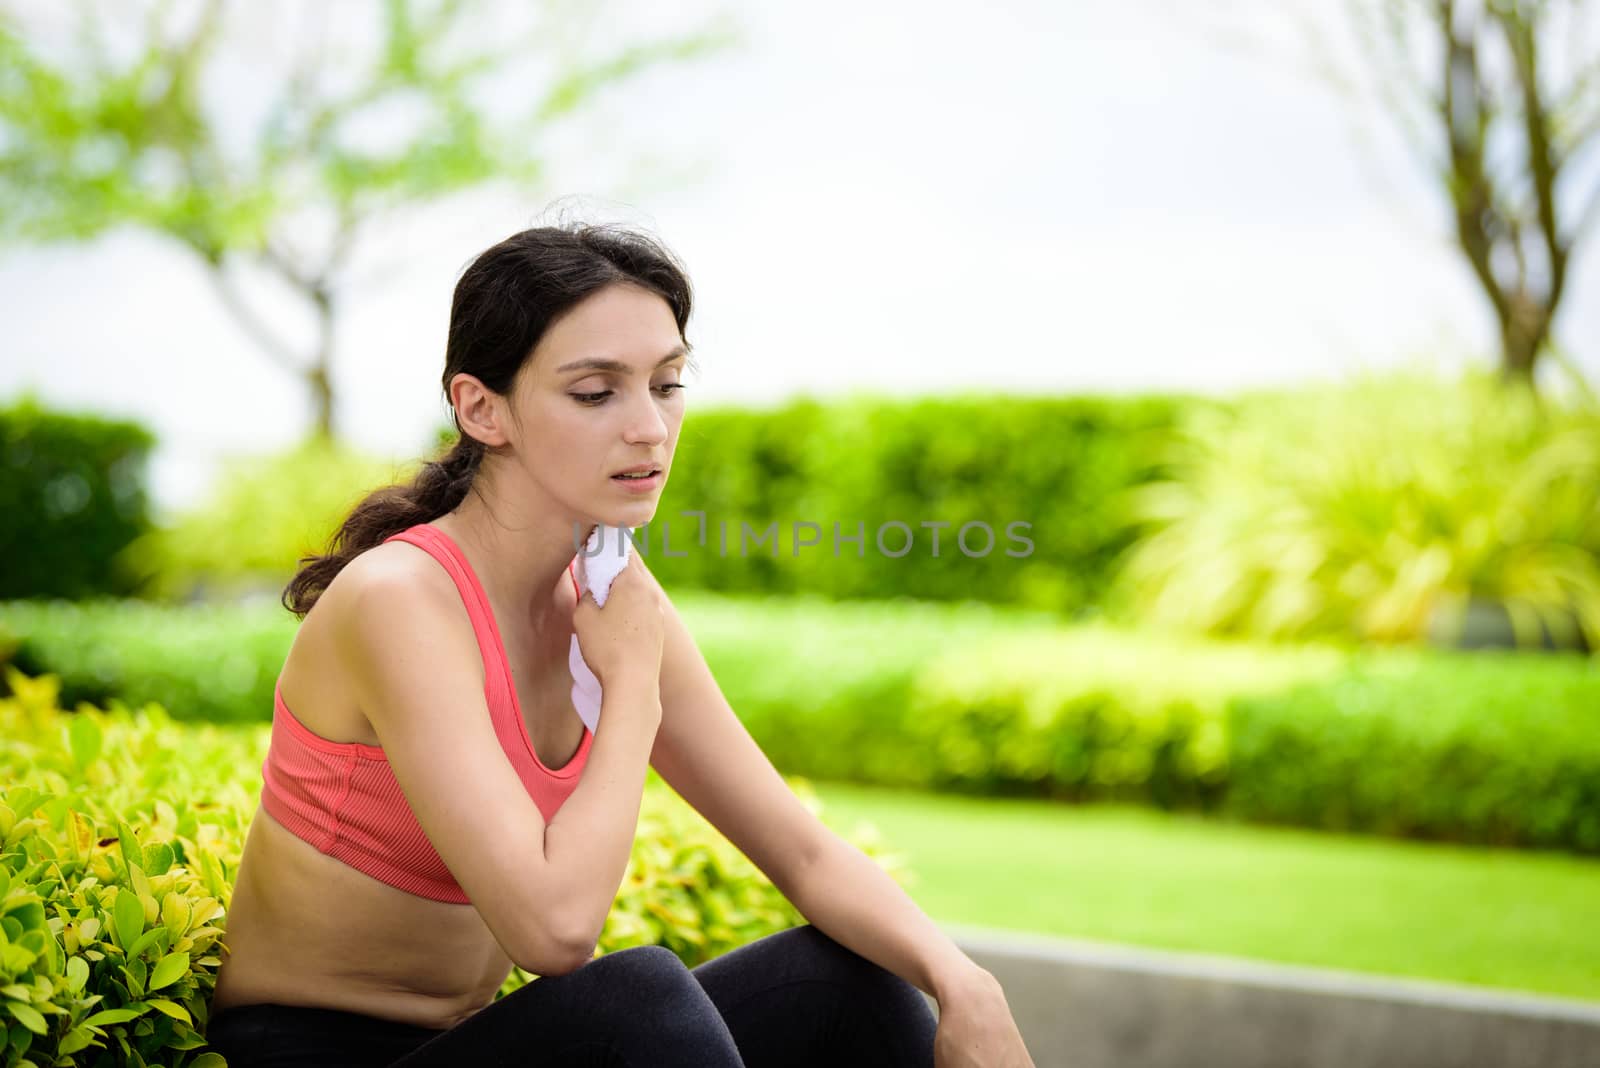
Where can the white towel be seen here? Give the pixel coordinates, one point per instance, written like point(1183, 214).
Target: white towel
point(604, 556)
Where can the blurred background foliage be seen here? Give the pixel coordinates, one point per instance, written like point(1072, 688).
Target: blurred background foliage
point(1401, 508)
point(264, 514)
point(1200, 624)
point(1379, 509)
point(73, 495)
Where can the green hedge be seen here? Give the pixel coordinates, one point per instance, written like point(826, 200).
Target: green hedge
point(121, 837)
point(72, 498)
point(205, 662)
point(1488, 748)
point(1059, 464)
point(1491, 748)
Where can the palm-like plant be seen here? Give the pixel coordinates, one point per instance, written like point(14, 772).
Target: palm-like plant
point(1373, 508)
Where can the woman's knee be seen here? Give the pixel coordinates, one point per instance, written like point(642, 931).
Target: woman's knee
point(825, 958)
point(873, 989)
point(800, 993)
point(654, 1011)
point(648, 980)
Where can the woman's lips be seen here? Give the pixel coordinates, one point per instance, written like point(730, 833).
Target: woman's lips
point(639, 485)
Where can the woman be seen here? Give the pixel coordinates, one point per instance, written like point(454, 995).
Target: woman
point(434, 810)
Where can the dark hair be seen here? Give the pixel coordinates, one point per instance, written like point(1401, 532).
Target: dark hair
point(503, 304)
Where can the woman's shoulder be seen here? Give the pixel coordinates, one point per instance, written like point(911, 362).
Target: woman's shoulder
point(391, 576)
point(393, 560)
point(387, 581)
point(383, 605)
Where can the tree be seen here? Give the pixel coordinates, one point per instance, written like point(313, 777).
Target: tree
point(1500, 102)
point(111, 132)
point(1490, 77)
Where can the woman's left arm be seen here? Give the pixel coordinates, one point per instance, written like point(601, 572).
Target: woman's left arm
point(855, 902)
point(705, 753)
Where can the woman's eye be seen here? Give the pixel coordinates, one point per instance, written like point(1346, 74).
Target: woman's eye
point(666, 390)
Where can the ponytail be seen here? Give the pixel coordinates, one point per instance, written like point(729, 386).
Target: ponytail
point(438, 488)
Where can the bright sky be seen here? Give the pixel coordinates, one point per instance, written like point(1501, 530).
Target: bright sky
point(908, 198)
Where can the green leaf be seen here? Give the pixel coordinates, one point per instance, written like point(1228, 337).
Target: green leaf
point(138, 879)
point(77, 974)
point(127, 917)
point(137, 975)
point(171, 968)
point(171, 1008)
point(77, 1038)
point(113, 1016)
point(176, 911)
point(85, 738)
point(211, 874)
point(29, 1017)
point(156, 936)
point(185, 1038)
point(128, 843)
point(28, 911)
point(16, 958)
point(158, 858)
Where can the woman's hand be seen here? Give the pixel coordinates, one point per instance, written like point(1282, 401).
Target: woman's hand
point(623, 639)
point(976, 1029)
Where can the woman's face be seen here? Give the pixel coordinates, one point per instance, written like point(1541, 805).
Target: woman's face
point(603, 393)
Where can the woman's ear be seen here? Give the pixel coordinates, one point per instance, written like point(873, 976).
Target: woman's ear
point(478, 409)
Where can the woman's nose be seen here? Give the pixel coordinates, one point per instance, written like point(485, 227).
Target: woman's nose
point(645, 423)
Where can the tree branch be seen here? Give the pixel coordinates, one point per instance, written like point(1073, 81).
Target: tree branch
point(1520, 36)
point(284, 267)
point(1466, 123)
point(278, 351)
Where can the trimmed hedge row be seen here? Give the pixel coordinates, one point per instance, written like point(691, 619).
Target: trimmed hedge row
point(855, 466)
point(1491, 748)
point(212, 662)
point(121, 838)
point(1488, 748)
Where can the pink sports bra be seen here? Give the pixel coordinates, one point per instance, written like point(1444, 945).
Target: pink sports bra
point(343, 798)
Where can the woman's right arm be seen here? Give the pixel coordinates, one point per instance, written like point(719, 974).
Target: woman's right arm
point(590, 839)
point(544, 890)
point(588, 843)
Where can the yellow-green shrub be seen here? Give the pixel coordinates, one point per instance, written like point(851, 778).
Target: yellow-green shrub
point(122, 832)
point(114, 863)
point(1377, 509)
point(263, 514)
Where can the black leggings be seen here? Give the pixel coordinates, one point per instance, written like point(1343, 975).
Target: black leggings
point(796, 997)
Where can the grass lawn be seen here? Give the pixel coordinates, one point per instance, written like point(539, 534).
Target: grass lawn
point(1502, 918)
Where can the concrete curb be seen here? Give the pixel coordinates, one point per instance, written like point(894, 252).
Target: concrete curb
point(1084, 1004)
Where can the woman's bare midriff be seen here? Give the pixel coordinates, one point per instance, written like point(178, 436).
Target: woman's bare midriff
point(304, 928)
